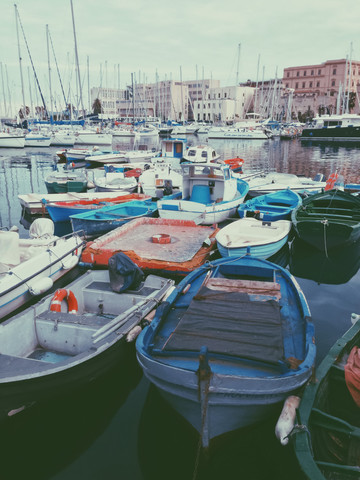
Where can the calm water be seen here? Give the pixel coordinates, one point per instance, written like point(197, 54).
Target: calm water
point(119, 427)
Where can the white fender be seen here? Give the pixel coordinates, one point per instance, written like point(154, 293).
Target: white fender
point(70, 262)
point(40, 286)
point(134, 332)
point(286, 419)
point(354, 318)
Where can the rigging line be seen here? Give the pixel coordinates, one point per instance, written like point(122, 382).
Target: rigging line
point(32, 64)
point(57, 68)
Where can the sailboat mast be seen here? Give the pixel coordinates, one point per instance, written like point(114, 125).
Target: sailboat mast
point(237, 68)
point(50, 91)
point(77, 58)
point(20, 59)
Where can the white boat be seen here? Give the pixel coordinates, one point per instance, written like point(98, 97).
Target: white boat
point(274, 181)
point(37, 139)
point(105, 158)
point(146, 132)
point(201, 154)
point(92, 137)
point(52, 348)
point(345, 127)
point(249, 235)
point(210, 194)
point(29, 267)
point(115, 182)
point(159, 180)
point(12, 140)
point(240, 133)
point(62, 137)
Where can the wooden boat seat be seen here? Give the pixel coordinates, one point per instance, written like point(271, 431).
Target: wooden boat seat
point(271, 289)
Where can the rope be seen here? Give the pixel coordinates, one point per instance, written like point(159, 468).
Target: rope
point(302, 428)
point(325, 223)
point(203, 417)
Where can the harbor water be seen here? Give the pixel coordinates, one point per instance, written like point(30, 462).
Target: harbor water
point(119, 427)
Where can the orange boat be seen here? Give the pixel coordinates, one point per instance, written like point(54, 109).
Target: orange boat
point(155, 245)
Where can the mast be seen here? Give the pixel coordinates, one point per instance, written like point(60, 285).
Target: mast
point(20, 59)
point(3, 89)
point(77, 59)
point(256, 88)
point(238, 62)
point(50, 91)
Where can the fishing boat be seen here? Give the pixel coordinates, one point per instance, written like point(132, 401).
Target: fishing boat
point(233, 340)
point(156, 245)
point(326, 434)
point(30, 266)
point(115, 182)
point(74, 336)
point(210, 194)
point(261, 238)
point(96, 223)
point(66, 181)
point(61, 211)
point(271, 207)
point(263, 183)
point(35, 203)
point(201, 154)
point(328, 219)
point(159, 180)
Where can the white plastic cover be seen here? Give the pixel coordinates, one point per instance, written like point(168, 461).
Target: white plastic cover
point(42, 228)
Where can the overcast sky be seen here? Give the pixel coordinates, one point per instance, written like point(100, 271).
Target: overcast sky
point(175, 38)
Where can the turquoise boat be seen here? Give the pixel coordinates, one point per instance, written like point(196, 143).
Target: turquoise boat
point(327, 433)
point(328, 219)
point(97, 223)
point(272, 206)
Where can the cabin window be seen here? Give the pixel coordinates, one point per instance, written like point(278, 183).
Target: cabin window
point(191, 153)
point(204, 154)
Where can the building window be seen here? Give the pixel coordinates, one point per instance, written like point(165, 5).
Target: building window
point(334, 71)
point(333, 83)
point(318, 84)
point(297, 74)
point(310, 84)
point(319, 72)
point(219, 95)
point(296, 85)
point(209, 106)
point(224, 95)
point(312, 72)
point(304, 73)
point(303, 84)
point(287, 85)
point(288, 74)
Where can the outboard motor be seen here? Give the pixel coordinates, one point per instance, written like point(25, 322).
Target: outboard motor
point(124, 273)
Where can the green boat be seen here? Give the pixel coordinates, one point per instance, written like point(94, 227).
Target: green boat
point(328, 219)
point(64, 182)
point(327, 435)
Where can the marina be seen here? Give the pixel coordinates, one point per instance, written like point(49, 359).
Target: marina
point(120, 422)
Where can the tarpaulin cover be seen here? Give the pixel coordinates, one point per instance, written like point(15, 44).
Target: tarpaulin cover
point(230, 323)
point(124, 273)
point(352, 374)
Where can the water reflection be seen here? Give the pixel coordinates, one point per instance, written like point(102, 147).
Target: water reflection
point(336, 268)
point(64, 427)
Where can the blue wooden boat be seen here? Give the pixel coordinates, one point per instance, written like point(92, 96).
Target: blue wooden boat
point(272, 206)
point(231, 342)
point(99, 222)
point(262, 239)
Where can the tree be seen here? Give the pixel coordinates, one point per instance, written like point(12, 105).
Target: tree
point(97, 108)
point(352, 99)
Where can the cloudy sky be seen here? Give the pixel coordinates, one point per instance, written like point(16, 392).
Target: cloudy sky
point(170, 38)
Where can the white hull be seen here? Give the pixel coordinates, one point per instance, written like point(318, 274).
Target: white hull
point(93, 139)
point(66, 139)
point(12, 142)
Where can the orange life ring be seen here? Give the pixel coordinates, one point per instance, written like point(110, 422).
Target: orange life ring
point(59, 296)
point(330, 183)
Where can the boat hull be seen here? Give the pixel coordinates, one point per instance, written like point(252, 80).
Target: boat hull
point(12, 141)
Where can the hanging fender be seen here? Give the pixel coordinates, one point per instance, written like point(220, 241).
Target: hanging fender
point(59, 296)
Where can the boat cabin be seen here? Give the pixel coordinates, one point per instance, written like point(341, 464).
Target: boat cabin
point(336, 121)
point(201, 154)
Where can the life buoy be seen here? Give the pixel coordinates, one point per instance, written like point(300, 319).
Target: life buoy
point(330, 183)
point(59, 296)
